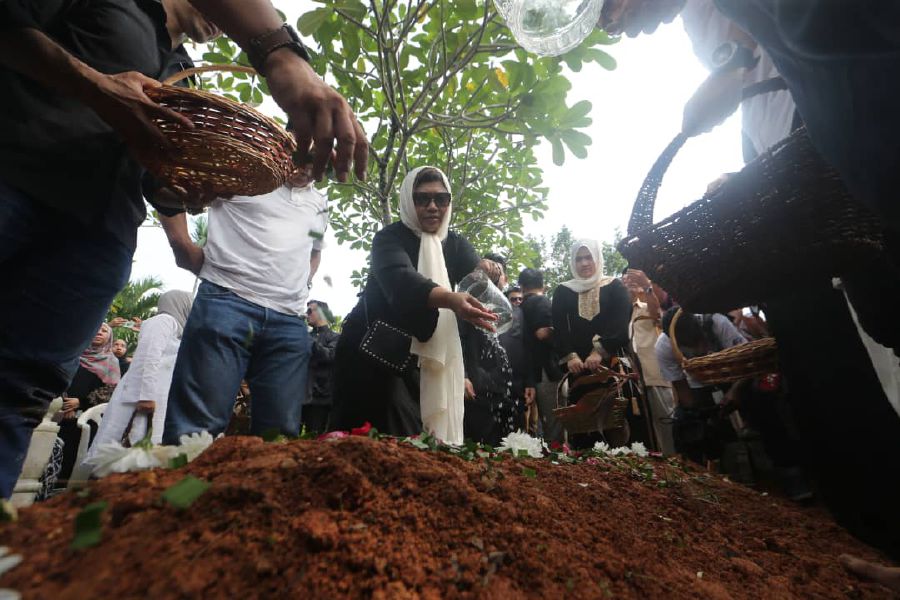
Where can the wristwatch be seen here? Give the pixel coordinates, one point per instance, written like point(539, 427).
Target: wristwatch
point(263, 45)
point(731, 55)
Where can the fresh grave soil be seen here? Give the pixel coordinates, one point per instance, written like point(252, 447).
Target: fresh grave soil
point(365, 518)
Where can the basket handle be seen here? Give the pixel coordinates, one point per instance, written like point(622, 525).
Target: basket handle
point(679, 356)
point(645, 203)
point(206, 69)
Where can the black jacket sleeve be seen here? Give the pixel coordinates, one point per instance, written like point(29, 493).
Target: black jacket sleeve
point(464, 257)
point(404, 288)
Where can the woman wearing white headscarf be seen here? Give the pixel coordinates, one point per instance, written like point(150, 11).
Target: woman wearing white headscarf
point(144, 390)
point(591, 312)
point(415, 265)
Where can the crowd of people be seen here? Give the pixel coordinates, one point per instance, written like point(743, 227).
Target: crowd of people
point(416, 353)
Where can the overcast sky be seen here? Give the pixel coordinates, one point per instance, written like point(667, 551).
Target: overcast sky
point(636, 112)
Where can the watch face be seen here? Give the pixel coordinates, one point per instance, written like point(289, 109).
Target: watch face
point(723, 53)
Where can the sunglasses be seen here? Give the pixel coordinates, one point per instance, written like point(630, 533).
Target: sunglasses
point(516, 300)
point(423, 199)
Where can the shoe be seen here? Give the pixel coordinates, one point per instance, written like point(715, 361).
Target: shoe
point(794, 484)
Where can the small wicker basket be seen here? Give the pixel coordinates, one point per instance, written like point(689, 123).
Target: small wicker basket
point(232, 149)
point(759, 357)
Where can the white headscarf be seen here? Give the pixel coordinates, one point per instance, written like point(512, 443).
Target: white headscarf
point(440, 358)
point(578, 284)
point(177, 304)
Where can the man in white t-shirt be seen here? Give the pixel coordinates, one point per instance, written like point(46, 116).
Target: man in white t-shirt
point(248, 320)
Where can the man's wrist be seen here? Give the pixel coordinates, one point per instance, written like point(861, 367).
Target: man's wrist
point(262, 46)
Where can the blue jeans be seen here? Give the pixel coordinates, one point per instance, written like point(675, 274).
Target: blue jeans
point(227, 339)
point(59, 279)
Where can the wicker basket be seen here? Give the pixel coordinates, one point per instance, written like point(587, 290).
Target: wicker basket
point(785, 218)
point(599, 409)
point(759, 357)
point(232, 150)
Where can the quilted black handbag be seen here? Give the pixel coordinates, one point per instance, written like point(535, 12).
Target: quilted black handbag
point(387, 346)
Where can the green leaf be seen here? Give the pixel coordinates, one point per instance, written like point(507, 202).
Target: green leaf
point(178, 461)
point(185, 492)
point(601, 58)
point(559, 155)
point(467, 9)
point(88, 526)
point(350, 42)
point(529, 472)
point(354, 8)
point(216, 58)
point(308, 23)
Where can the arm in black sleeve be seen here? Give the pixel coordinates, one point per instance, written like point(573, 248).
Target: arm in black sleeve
point(465, 258)
point(615, 307)
point(562, 322)
point(405, 289)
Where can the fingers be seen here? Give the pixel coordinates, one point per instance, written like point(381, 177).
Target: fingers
point(866, 569)
point(360, 151)
point(472, 301)
point(324, 136)
point(345, 136)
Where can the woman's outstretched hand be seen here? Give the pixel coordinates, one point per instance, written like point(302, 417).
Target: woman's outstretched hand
point(469, 309)
point(464, 305)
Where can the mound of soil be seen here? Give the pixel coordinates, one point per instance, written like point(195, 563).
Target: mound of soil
point(365, 518)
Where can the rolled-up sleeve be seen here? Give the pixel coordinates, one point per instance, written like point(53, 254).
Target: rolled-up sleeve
point(156, 333)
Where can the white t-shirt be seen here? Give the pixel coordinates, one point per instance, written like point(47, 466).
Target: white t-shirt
point(259, 247)
point(726, 334)
point(766, 118)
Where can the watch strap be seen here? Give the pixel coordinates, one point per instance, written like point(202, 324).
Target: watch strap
point(263, 45)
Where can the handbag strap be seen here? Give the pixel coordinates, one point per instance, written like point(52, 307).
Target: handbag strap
point(126, 435)
point(645, 203)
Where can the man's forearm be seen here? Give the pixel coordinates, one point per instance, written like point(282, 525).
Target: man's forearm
point(315, 260)
point(242, 20)
point(33, 54)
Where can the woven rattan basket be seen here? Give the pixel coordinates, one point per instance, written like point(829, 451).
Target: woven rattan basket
point(785, 218)
point(232, 150)
point(753, 359)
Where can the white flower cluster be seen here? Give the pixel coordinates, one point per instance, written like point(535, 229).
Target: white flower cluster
point(519, 440)
point(112, 457)
point(636, 449)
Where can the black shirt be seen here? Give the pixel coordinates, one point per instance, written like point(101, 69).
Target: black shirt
point(54, 148)
point(537, 314)
point(572, 333)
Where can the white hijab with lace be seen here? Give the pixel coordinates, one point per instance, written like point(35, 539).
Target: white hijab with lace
point(587, 288)
point(441, 385)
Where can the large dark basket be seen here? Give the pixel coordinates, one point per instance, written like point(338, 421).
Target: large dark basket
point(783, 219)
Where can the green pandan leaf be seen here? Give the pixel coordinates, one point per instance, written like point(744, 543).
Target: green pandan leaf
point(88, 527)
point(185, 492)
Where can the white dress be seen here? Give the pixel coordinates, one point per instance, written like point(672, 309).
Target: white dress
point(148, 378)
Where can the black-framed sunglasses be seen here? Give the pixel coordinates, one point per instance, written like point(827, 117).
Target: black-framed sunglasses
point(423, 199)
point(516, 300)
